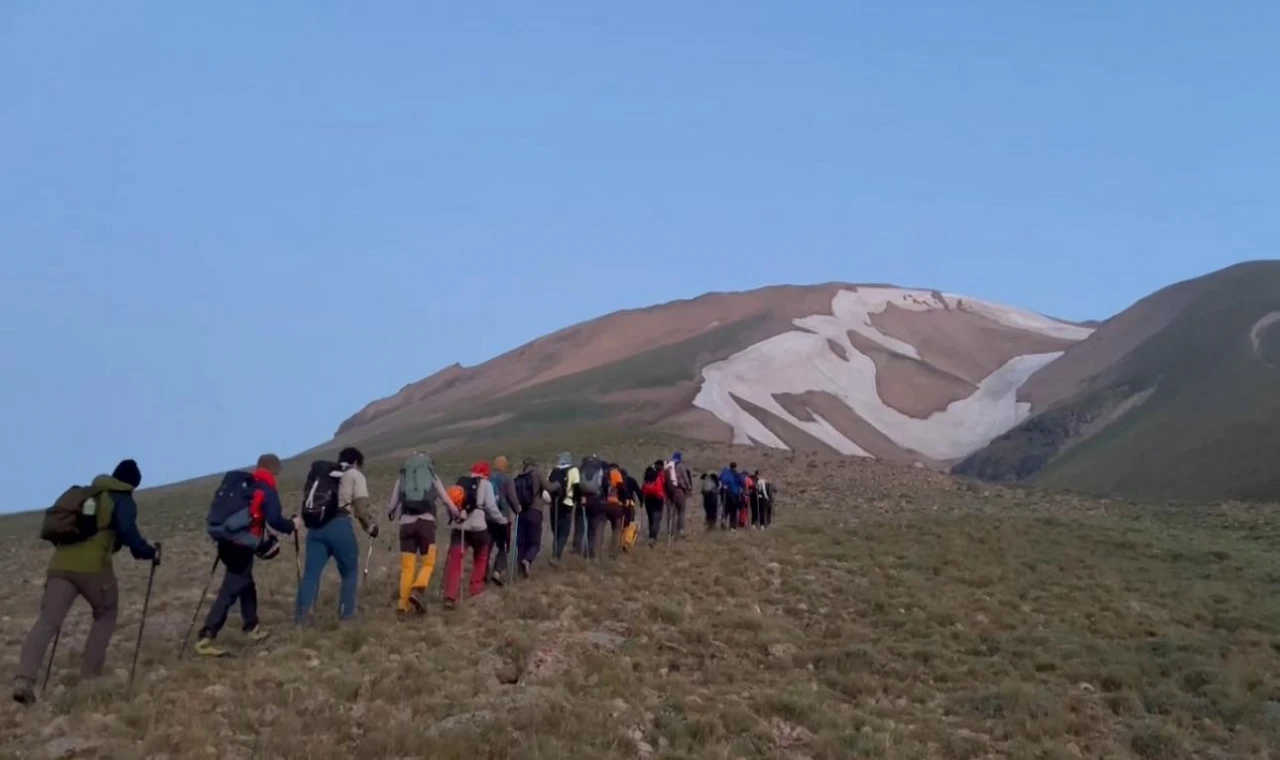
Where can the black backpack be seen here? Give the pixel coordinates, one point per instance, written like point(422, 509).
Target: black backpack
point(229, 519)
point(320, 494)
point(560, 479)
point(525, 489)
point(470, 485)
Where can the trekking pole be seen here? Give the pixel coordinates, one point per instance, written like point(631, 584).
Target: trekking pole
point(514, 552)
point(297, 556)
point(185, 639)
point(49, 670)
point(146, 602)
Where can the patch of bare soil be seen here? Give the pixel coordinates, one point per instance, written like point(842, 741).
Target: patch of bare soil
point(961, 343)
point(910, 386)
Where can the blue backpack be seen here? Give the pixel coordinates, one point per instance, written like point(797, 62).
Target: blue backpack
point(230, 519)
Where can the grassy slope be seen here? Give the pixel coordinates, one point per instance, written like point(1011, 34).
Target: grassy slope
point(1210, 429)
point(892, 613)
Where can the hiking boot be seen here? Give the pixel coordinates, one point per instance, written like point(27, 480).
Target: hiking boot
point(257, 634)
point(498, 580)
point(205, 648)
point(417, 604)
point(24, 691)
point(524, 568)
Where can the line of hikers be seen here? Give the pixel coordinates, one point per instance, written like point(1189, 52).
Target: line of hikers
point(496, 516)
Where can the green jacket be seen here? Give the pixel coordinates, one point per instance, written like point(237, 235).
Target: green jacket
point(94, 555)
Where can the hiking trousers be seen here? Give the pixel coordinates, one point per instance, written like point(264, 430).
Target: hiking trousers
point(499, 548)
point(766, 512)
point(654, 507)
point(459, 541)
point(754, 501)
point(679, 502)
point(60, 590)
point(529, 540)
point(416, 538)
point(337, 540)
point(578, 533)
point(613, 515)
point(237, 585)
point(561, 524)
point(711, 506)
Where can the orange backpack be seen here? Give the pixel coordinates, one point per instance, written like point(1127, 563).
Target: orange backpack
point(616, 486)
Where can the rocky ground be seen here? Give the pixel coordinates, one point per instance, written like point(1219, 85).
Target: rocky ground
point(890, 613)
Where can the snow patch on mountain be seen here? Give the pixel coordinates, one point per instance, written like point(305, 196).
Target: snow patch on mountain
point(802, 361)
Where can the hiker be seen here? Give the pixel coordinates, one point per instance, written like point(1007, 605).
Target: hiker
point(334, 493)
point(415, 501)
point(469, 529)
point(678, 484)
point(764, 493)
point(731, 481)
point(711, 498)
point(655, 498)
point(500, 534)
point(87, 525)
point(608, 508)
point(749, 498)
point(563, 486)
point(593, 484)
point(531, 494)
point(238, 548)
point(630, 505)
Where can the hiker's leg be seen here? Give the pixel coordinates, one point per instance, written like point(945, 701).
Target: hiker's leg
point(228, 592)
point(103, 595)
point(59, 594)
point(595, 528)
point(249, 599)
point(654, 508)
point(500, 538)
point(615, 515)
point(681, 501)
point(530, 534)
point(453, 567)
point(408, 563)
point(346, 553)
point(755, 511)
point(317, 556)
point(479, 543)
point(578, 527)
point(562, 520)
point(425, 532)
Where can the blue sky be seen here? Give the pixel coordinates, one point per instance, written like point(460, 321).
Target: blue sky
point(222, 222)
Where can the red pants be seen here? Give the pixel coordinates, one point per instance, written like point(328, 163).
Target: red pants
point(459, 542)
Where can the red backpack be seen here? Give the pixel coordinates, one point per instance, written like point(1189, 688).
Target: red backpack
point(653, 488)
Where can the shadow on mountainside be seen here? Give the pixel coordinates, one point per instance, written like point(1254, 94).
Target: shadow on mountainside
point(890, 613)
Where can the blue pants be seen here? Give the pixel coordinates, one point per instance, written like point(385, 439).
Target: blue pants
point(337, 539)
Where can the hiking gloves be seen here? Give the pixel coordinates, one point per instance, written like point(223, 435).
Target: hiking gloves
point(155, 561)
point(373, 530)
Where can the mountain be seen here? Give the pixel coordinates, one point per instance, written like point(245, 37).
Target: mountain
point(901, 374)
point(1177, 396)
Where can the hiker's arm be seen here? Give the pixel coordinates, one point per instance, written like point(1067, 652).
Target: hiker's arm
point(489, 503)
point(393, 502)
point(360, 506)
point(509, 493)
point(274, 512)
point(125, 517)
point(442, 493)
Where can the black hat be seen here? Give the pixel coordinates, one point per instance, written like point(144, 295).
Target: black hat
point(127, 472)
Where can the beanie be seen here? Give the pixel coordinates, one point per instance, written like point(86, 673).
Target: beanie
point(127, 472)
point(481, 469)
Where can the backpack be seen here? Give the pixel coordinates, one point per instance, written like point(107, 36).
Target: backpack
point(558, 481)
point(629, 536)
point(230, 519)
point(592, 477)
point(653, 488)
point(525, 489)
point(617, 484)
point(470, 485)
point(320, 494)
point(73, 518)
point(418, 486)
point(673, 480)
point(495, 480)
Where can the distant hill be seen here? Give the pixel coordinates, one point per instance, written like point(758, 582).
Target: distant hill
point(908, 375)
point(1176, 397)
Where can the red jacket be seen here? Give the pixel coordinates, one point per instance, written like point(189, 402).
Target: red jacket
point(265, 506)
